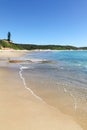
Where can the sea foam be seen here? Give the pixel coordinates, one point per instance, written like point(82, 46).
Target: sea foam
point(25, 85)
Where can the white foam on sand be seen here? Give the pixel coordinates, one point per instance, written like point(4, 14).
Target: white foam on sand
point(74, 99)
point(25, 85)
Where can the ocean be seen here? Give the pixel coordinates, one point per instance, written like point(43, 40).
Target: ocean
point(59, 79)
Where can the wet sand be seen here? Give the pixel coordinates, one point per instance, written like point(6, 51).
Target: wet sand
point(20, 110)
point(54, 94)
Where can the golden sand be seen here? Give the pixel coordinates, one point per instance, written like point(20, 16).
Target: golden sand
point(20, 110)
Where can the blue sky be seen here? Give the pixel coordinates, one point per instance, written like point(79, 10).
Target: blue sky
point(45, 21)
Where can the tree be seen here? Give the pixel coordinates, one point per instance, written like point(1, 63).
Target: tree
point(9, 36)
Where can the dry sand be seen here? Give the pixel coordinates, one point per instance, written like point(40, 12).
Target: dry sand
point(20, 110)
point(12, 53)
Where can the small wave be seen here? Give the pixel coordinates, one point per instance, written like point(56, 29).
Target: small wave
point(25, 85)
point(70, 93)
point(24, 67)
point(41, 61)
point(74, 98)
point(29, 61)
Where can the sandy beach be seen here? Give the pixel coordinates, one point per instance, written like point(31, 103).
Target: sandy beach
point(12, 53)
point(20, 110)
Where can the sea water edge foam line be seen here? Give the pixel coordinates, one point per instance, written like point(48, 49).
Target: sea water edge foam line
point(69, 72)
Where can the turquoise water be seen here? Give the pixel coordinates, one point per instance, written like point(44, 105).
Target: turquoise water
point(69, 58)
point(67, 62)
point(68, 68)
point(60, 79)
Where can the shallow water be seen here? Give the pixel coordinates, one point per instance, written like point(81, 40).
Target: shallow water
point(58, 78)
point(62, 82)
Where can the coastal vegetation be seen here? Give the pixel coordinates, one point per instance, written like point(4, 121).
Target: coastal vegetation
point(7, 43)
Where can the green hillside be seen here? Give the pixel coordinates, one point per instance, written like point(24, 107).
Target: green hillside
point(8, 44)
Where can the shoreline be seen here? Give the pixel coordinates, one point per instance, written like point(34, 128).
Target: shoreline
point(17, 102)
point(18, 53)
point(20, 110)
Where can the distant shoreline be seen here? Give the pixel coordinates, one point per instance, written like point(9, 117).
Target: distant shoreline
point(6, 45)
point(17, 53)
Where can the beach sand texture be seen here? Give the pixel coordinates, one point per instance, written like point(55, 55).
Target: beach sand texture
point(20, 110)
